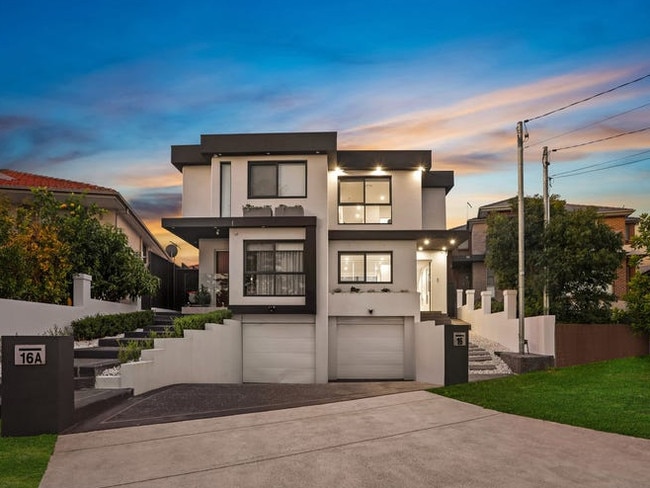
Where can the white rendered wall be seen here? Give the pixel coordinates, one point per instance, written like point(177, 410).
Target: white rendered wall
point(434, 209)
point(197, 191)
point(213, 355)
point(430, 353)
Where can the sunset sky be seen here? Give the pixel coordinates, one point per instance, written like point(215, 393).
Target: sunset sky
point(99, 91)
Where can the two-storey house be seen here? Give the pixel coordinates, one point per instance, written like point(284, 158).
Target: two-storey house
point(330, 255)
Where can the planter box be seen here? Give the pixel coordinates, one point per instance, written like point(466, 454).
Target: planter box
point(258, 211)
point(289, 211)
point(381, 304)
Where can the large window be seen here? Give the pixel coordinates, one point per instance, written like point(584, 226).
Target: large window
point(366, 267)
point(274, 268)
point(365, 200)
point(274, 179)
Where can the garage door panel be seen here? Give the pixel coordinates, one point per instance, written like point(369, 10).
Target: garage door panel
point(370, 350)
point(278, 353)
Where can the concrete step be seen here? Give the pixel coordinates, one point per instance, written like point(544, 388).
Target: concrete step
point(84, 382)
point(97, 352)
point(120, 341)
point(92, 401)
point(92, 366)
point(482, 367)
point(480, 359)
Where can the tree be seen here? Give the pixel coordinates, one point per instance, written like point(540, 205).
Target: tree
point(33, 259)
point(577, 252)
point(46, 241)
point(638, 295)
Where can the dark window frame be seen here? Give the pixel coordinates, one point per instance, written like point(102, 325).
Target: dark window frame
point(365, 266)
point(276, 164)
point(275, 273)
point(364, 203)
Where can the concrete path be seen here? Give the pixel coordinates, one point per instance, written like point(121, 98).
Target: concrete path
point(401, 440)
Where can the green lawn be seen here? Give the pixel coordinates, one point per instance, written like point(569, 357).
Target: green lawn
point(610, 396)
point(23, 460)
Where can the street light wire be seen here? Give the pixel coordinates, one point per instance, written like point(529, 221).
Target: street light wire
point(573, 104)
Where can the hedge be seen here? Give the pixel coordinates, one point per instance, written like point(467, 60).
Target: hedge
point(99, 326)
point(198, 321)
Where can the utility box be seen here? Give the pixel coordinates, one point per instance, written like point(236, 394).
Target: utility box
point(37, 384)
point(456, 354)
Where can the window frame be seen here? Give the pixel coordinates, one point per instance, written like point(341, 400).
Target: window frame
point(274, 273)
point(276, 165)
point(364, 204)
point(365, 254)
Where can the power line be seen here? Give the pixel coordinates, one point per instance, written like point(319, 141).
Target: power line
point(588, 125)
point(587, 99)
point(615, 160)
point(602, 139)
point(599, 169)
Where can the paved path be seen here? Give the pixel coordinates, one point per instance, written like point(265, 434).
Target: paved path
point(409, 439)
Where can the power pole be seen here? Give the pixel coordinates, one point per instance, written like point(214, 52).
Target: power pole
point(520, 218)
point(547, 219)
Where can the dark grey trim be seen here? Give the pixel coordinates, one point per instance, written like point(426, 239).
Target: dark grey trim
point(191, 229)
point(388, 160)
point(438, 179)
point(188, 155)
point(437, 238)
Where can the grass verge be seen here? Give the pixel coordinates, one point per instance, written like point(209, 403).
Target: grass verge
point(610, 396)
point(23, 460)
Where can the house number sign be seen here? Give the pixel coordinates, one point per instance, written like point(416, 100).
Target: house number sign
point(460, 339)
point(29, 355)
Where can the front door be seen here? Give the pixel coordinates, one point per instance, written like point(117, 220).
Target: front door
point(424, 284)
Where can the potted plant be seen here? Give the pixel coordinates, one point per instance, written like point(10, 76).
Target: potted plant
point(203, 296)
point(257, 211)
point(289, 211)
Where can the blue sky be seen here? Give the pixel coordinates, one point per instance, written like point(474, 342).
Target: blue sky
point(99, 91)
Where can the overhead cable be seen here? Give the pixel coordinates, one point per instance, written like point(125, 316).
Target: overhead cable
point(601, 139)
point(588, 98)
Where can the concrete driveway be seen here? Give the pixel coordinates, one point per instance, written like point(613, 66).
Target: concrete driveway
point(399, 440)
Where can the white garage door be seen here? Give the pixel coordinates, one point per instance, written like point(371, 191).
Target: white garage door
point(370, 348)
point(278, 353)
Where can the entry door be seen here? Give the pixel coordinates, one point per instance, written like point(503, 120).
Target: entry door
point(424, 285)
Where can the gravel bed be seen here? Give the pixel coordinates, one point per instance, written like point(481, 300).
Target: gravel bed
point(490, 346)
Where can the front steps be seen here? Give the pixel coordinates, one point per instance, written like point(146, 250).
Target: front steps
point(480, 359)
point(90, 361)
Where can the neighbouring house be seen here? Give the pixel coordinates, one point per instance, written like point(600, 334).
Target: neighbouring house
point(468, 259)
point(17, 186)
point(329, 256)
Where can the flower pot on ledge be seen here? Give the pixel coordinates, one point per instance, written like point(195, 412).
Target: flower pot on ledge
point(289, 211)
point(265, 211)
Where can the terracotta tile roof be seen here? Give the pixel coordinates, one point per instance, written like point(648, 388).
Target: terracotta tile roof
point(17, 179)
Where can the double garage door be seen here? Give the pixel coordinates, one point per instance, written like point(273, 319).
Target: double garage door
point(370, 348)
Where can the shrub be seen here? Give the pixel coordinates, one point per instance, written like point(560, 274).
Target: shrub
point(198, 321)
point(98, 326)
point(130, 350)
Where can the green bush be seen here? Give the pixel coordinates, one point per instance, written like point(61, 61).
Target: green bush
point(198, 321)
point(130, 350)
point(98, 326)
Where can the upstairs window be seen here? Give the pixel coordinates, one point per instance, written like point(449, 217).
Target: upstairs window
point(277, 179)
point(366, 267)
point(365, 200)
point(274, 268)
